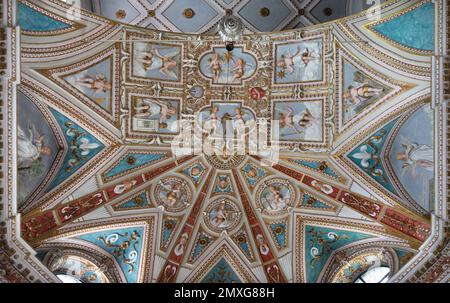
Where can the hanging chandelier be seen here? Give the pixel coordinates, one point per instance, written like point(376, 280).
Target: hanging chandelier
point(230, 28)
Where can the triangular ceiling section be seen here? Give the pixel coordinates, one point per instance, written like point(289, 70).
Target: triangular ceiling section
point(321, 242)
point(368, 156)
point(34, 20)
point(222, 272)
point(34, 132)
point(133, 161)
point(412, 28)
point(222, 265)
point(94, 81)
point(82, 147)
point(361, 89)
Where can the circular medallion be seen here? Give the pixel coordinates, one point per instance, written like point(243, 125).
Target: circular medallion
point(275, 196)
point(173, 193)
point(197, 91)
point(188, 13)
point(265, 12)
point(222, 215)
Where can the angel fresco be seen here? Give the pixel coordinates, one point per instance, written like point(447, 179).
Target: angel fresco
point(416, 156)
point(157, 62)
point(360, 92)
point(98, 83)
point(299, 121)
point(275, 197)
point(30, 149)
point(299, 62)
point(225, 67)
point(163, 112)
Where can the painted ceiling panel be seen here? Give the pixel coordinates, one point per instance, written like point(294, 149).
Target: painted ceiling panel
point(202, 14)
point(414, 29)
point(228, 216)
point(32, 20)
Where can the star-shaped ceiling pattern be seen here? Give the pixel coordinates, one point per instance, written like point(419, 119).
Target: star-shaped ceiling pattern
point(120, 124)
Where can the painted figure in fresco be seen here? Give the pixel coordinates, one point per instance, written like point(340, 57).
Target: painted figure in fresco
point(238, 69)
point(30, 147)
point(153, 59)
point(289, 61)
point(211, 125)
point(148, 108)
point(263, 248)
point(99, 83)
point(275, 198)
point(416, 155)
point(215, 64)
point(180, 247)
point(299, 122)
point(124, 187)
point(172, 193)
point(220, 217)
point(361, 92)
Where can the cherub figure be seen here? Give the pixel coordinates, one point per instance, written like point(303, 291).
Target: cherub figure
point(361, 92)
point(148, 108)
point(99, 83)
point(215, 64)
point(153, 59)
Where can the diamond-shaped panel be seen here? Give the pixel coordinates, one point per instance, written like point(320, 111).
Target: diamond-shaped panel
point(265, 16)
point(201, 13)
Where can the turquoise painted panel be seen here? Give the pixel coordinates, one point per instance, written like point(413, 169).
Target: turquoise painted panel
point(82, 146)
point(245, 248)
point(132, 161)
point(320, 242)
point(367, 156)
point(316, 166)
point(124, 244)
point(168, 229)
point(403, 256)
point(138, 201)
point(414, 29)
point(279, 232)
point(316, 203)
point(222, 272)
point(31, 20)
point(202, 242)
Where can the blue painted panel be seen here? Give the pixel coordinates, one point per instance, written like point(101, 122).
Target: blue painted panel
point(204, 13)
point(315, 165)
point(36, 148)
point(278, 13)
point(124, 244)
point(316, 203)
point(414, 29)
point(100, 73)
point(140, 201)
point(31, 20)
point(279, 232)
point(320, 242)
point(82, 147)
point(168, 229)
point(222, 272)
point(367, 156)
point(412, 156)
point(132, 161)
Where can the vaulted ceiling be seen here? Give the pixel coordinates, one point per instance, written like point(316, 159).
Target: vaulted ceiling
point(202, 16)
point(112, 118)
